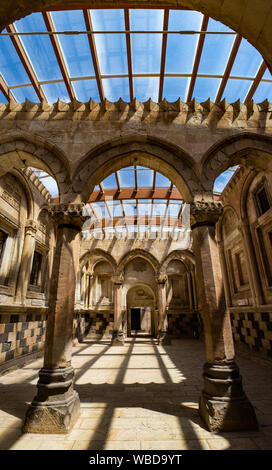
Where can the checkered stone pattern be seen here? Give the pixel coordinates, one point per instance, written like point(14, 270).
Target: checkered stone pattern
point(184, 325)
point(81, 325)
point(254, 329)
point(20, 335)
point(101, 325)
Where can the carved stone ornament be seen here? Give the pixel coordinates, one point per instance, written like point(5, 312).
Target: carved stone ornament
point(118, 279)
point(31, 227)
point(205, 213)
point(67, 214)
point(161, 278)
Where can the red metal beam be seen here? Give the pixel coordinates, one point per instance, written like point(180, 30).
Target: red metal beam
point(129, 193)
point(5, 90)
point(229, 65)
point(256, 81)
point(57, 49)
point(199, 50)
point(163, 53)
point(89, 27)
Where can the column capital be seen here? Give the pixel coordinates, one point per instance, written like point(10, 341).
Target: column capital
point(31, 227)
point(161, 278)
point(117, 279)
point(205, 213)
point(68, 214)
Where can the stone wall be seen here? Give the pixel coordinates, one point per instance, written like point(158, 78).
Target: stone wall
point(254, 330)
point(21, 334)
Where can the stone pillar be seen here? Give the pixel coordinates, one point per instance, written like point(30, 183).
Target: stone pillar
point(251, 261)
point(26, 261)
point(224, 273)
point(223, 404)
point(56, 405)
point(190, 291)
point(87, 288)
point(163, 335)
point(118, 334)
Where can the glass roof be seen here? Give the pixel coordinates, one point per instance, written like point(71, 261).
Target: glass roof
point(142, 53)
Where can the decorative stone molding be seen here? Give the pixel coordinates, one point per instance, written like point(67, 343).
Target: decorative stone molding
point(203, 113)
point(205, 213)
point(37, 183)
point(67, 214)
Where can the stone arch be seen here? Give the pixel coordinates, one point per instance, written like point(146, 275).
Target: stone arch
point(97, 255)
point(138, 253)
point(20, 151)
point(220, 223)
point(251, 19)
point(151, 152)
point(185, 256)
point(249, 149)
point(29, 196)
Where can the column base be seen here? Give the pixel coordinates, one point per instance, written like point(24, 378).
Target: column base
point(56, 407)
point(118, 338)
point(163, 338)
point(223, 405)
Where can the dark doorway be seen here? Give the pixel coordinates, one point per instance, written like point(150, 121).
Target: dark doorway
point(135, 318)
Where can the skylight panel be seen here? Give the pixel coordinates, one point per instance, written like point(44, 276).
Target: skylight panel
point(216, 49)
point(20, 94)
point(236, 89)
point(175, 87)
point(115, 88)
point(11, 68)
point(205, 88)
point(264, 91)
point(144, 208)
point(117, 210)
point(267, 75)
point(180, 51)
point(126, 178)
point(3, 99)
point(75, 49)
point(111, 48)
point(146, 48)
point(144, 178)
point(39, 48)
point(86, 89)
point(110, 182)
point(55, 91)
point(130, 208)
point(162, 181)
point(146, 87)
point(247, 61)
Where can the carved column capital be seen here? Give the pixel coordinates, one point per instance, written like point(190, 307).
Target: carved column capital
point(205, 213)
point(31, 227)
point(161, 278)
point(118, 279)
point(68, 214)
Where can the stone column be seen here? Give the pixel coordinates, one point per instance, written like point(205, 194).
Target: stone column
point(223, 404)
point(56, 405)
point(224, 273)
point(118, 334)
point(26, 261)
point(251, 262)
point(163, 335)
point(190, 291)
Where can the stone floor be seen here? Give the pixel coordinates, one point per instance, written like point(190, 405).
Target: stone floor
point(140, 396)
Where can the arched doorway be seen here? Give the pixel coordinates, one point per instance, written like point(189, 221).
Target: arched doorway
point(141, 316)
